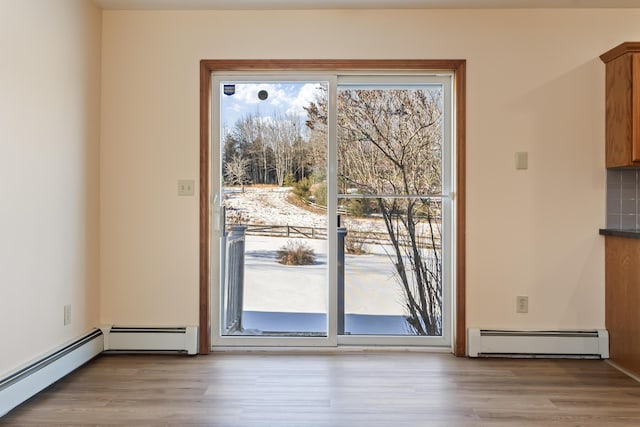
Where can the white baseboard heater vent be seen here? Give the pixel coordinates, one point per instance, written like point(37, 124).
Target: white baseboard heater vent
point(38, 375)
point(134, 339)
point(593, 344)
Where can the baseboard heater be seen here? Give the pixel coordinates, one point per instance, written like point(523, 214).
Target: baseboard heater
point(134, 339)
point(38, 375)
point(592, 344)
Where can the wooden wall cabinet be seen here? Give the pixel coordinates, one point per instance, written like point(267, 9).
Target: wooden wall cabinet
point(623, 105)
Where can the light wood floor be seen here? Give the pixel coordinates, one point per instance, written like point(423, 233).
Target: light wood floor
point(345, 389)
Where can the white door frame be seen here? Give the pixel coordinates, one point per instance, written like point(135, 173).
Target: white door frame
point(448, 227)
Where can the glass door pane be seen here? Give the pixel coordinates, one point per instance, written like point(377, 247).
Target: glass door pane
point(390, 200)
point(273, 251)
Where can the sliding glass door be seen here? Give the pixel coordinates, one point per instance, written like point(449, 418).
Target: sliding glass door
point(331, 212)
point(272, 220)
point(393, 198)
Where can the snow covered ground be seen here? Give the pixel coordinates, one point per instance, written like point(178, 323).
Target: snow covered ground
point(370, 287)
point(293, 299)
point(269, 205)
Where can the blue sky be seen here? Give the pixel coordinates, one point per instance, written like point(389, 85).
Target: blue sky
point(284, 98)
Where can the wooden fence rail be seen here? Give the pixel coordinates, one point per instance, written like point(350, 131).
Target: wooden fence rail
point(287, 231)
point(294, 231)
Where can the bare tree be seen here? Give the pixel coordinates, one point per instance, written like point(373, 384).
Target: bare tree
point(249, 133)
point(389, 143)
point(281, 135)
point(317, 125)
point(236, 171)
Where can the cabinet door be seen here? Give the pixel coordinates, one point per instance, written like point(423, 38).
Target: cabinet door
point(622, 296)
point(619, 123)
point(635, 108)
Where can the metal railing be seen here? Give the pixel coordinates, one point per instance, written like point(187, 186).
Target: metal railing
point(233, 255)
point(342, 233)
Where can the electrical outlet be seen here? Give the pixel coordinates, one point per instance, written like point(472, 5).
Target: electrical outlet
point(67, 314)
point(185, 187)
point(522, 304)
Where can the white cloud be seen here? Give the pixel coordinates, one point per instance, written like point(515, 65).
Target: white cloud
point(248, 93)
point(306, 94)
point(283, 98)
point(236, 108)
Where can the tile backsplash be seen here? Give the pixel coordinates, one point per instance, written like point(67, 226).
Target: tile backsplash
point(623, 198)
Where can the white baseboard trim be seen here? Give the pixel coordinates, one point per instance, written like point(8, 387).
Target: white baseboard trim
point(29, 380)
point(592, 343)
point(151, 339)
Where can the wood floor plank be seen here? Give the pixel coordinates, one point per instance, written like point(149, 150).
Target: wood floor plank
point(342, 389)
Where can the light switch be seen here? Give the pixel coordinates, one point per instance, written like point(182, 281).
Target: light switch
point(522, 304)
point(185, 187)
point(522, 160)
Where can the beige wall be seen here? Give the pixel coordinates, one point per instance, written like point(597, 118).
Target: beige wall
point(535, 84)
point(49, 133)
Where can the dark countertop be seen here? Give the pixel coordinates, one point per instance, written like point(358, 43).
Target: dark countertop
point(617, 232)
